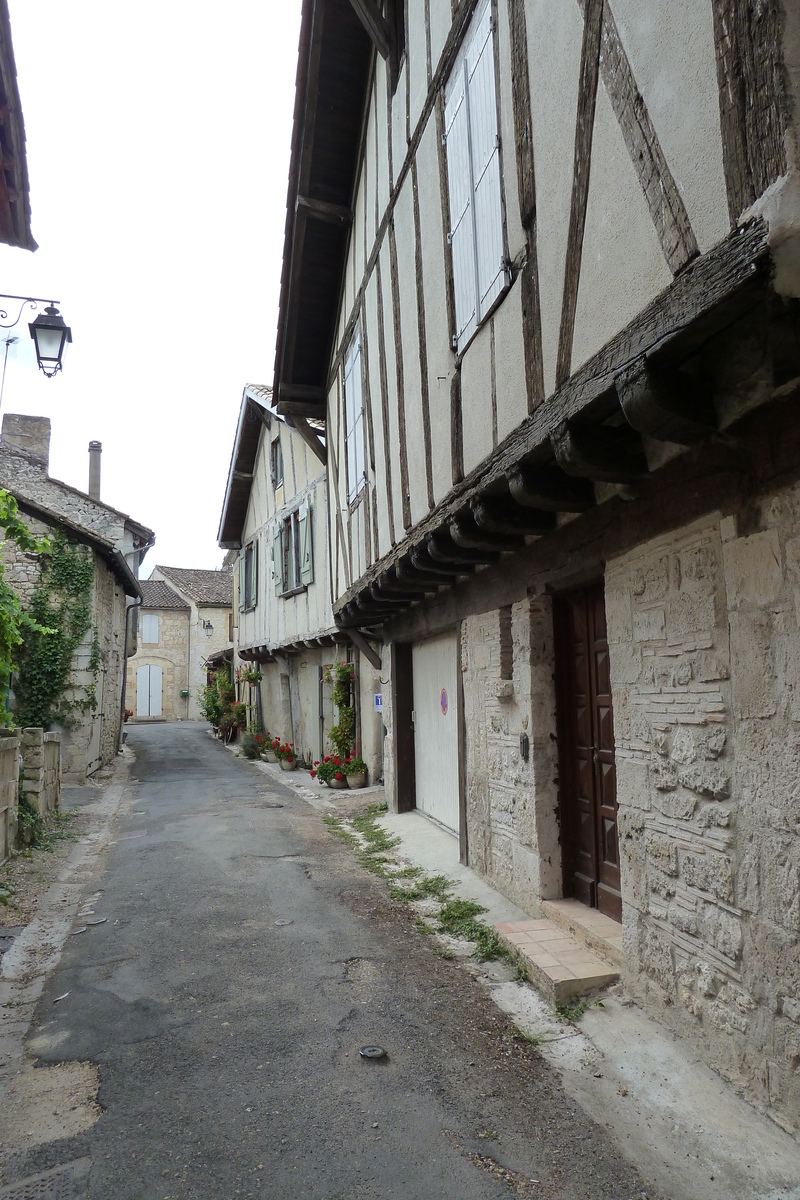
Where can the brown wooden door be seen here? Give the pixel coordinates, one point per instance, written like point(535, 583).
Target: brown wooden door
point(588, 782)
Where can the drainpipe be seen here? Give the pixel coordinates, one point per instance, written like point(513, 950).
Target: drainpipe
point(128, 610)
point(95, 450)
point(188, 661)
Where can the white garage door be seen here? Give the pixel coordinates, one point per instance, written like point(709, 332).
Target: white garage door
point(435, 665)
point(148, 691)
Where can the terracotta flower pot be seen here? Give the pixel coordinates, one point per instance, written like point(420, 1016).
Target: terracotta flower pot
point(337, 783)
point(357, 781)
point(288, 765)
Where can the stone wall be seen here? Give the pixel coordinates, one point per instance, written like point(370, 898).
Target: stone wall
point(9, 790)
point(705, 661)
point(506, 662)
point(41, 769)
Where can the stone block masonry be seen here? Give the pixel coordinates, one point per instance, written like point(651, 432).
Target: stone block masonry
point(703, 638)
point(9, 790)
point(41, 769)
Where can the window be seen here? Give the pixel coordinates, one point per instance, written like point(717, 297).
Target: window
point(354, 418)
point(276, 462)
point(480, 269)
point(230, 626)
point(248, 576)
point(292, 552)
point(150, 628)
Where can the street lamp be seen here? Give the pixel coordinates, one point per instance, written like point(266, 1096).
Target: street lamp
point(49, 332)
point(50, 336)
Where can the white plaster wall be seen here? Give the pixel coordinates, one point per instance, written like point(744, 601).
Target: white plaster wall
point(412, 389)
point(380, 483)
point(399, 114)
point(381, 120)
point(391, 377)
point(515, 237)
point(440, 355)
point(416, 56)
point(554, 36)
point(441, 20)
point(369, 179)
point(622, 266)
point(476, 398)
point(510, 386)
point(670, 47)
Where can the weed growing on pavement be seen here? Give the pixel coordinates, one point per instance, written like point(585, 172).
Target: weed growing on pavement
point(525, 1035)
point(570, 1011)
point(423, 927)
point(7, 893)
point(371, 842)
point(336, 826)
point(430, 886)
point(458, 918)
point(42, 833)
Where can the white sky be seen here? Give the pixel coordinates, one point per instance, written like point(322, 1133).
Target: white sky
point(158, 141)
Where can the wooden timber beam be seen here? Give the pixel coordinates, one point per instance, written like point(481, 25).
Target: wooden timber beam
point(599, 452)
point(398, 594)
point(302, 409)
point(361, 644)
point(310, 437)
point(505, 516)
point(375, 24)
point(304, 392)
point(466, 533)
point(412, 576)
point(324, 210)
point(442, 549)
point(669, 406)
point(425, 563)
point(550, 489)
point(389, 584)
point(242, 476)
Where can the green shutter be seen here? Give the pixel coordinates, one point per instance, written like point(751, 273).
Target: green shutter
point(306, 548)
point(242, 579)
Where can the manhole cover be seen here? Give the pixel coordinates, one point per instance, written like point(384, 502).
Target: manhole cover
point(372, 1052)
point(68, 1182)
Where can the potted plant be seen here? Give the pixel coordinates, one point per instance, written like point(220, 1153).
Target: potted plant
point(356, 772)
point(342, 676)
point(271, 749)
point(286, 756)
point(331, 771)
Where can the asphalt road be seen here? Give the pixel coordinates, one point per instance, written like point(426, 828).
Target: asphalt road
point(245, 960)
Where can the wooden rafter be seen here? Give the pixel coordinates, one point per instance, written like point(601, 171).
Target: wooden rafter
point(375, 24)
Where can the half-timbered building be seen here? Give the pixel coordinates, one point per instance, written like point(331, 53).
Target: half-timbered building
point(275, 517)
point(540, 280)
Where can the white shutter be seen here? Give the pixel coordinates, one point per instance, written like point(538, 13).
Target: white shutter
point(150, 628)
point(242, 581)
point(143, 691)
point(459, 181)
point(306, 551)
point(155, 690)
point(277, 562)
point(484, 144)
point(254, 568)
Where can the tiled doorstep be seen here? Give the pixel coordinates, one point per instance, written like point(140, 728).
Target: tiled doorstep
point(559, 964)
point(601, 934)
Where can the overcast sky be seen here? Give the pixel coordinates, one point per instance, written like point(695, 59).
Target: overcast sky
point(158, 139)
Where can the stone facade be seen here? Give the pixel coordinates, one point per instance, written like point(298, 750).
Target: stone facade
point(41, 769)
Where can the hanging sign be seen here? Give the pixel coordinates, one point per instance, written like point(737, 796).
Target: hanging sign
point(444, 702)
point(378, 702)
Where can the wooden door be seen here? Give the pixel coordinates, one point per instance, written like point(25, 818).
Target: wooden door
point(588, 787)
point(149, 688)
point(435, 716)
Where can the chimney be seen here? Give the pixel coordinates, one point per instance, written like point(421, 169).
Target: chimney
point(30, 434)
point(95, 450)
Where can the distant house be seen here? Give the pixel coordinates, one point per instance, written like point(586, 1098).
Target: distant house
point(186, 618)
point(117, 545)
point(275, 516)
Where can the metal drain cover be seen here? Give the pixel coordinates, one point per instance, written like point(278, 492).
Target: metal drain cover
point(372, 1052)
point(68, 1182)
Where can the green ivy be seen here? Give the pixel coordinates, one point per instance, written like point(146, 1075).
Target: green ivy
point(61, 613)
point(14, 621)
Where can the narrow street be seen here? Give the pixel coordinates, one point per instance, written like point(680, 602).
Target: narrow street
point(245, 959)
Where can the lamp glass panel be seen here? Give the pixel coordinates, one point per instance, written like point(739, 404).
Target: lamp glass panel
point(48, 342)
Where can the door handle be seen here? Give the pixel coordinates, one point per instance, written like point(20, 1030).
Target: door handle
point(595, 753)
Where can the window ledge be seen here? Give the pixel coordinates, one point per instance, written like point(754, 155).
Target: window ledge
point(293, 592)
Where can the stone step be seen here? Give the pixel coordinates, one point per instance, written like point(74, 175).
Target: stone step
point(601, 934)
point(559, 964)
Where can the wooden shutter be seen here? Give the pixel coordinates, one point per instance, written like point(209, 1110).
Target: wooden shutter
point(150, 628)
point(155, 689)
point(242, 580)
point(304, 530)
point(485, 155)
point(459, 182)
point(254, 569)
point(277, 562)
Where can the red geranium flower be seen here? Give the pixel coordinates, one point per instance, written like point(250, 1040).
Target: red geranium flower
point(339, 776)
point(327, 758)
point(313, 774)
